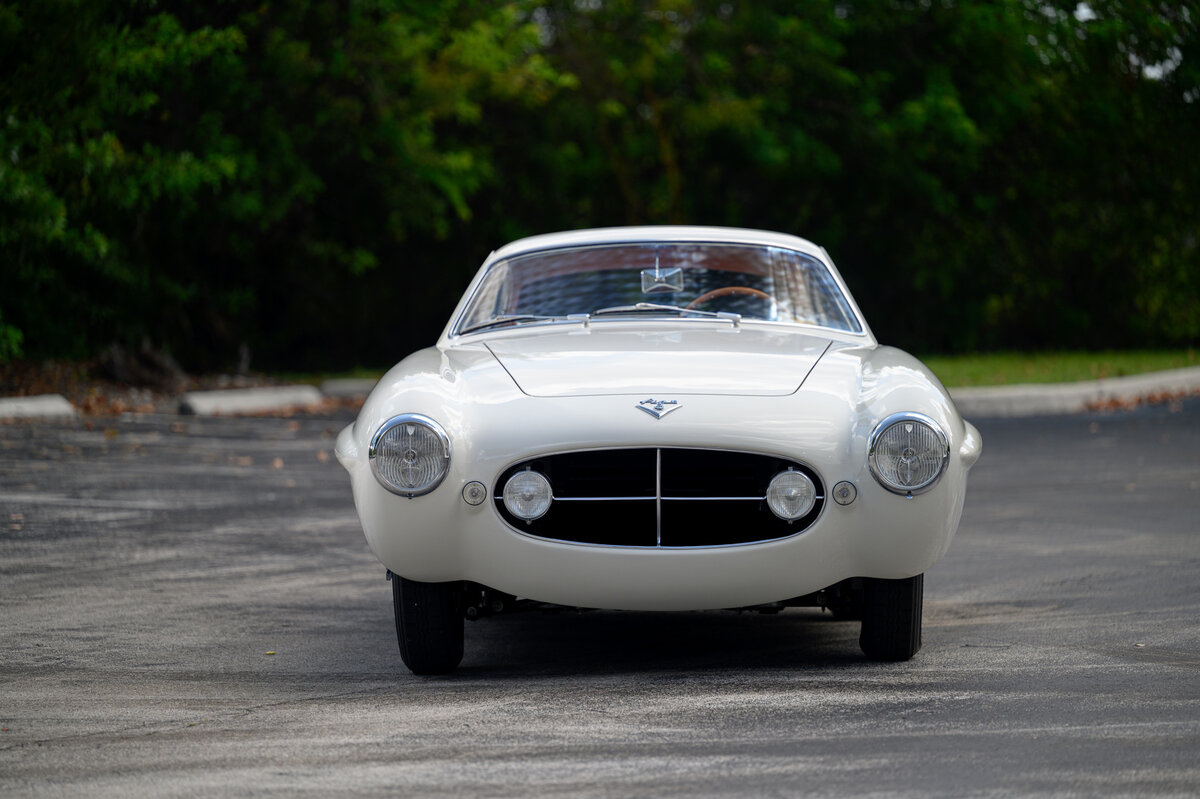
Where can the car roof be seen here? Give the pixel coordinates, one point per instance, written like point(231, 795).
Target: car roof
point(649, 234)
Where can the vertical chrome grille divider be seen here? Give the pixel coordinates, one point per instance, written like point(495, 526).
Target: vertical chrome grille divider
point(658, 497)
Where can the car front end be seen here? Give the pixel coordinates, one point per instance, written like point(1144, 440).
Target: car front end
point(735, 439)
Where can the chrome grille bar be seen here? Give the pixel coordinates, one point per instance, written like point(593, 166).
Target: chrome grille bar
point(658, 497)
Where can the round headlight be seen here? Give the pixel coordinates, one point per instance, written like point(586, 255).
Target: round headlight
point(791, 495)
point(410, 454)
point(527, 495)
point(907, 453)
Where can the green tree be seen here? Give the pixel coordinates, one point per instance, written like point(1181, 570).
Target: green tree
point(317, 178)
point(213, 174)
point(1013, 173)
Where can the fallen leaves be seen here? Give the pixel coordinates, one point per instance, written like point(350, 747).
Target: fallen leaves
point(1172, 399)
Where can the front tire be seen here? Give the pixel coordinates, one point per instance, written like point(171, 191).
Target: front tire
point(429, 625)
point(891, 622)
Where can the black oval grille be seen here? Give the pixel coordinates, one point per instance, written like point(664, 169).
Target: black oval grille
point(659, 498)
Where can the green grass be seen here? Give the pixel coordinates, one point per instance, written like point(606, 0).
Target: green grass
point(993, 369)
point(1005, 368)
point(316, 378)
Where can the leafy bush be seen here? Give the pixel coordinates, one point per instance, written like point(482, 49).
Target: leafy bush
point(316, 180)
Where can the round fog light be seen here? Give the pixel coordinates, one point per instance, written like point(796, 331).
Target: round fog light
point(527, 495)
point(791, 495)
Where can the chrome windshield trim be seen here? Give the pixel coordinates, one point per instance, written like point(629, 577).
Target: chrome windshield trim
point(591, 322)
point(748, 238)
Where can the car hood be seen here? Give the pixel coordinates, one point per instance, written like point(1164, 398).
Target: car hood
point(743, 360)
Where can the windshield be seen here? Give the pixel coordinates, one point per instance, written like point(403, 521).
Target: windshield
point(661, 280)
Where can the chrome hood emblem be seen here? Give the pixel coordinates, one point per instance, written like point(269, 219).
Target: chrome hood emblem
point(658, 408)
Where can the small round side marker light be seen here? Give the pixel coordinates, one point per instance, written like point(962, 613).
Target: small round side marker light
point(844, 493)
point(474, 493)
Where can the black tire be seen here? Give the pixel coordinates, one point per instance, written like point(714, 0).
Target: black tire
point(429, 625)
point(891, 625)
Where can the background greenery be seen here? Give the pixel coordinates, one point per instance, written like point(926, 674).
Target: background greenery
point(316, 180)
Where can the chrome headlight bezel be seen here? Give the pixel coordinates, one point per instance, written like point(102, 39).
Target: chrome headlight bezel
point(375, 455)
point(942, 453)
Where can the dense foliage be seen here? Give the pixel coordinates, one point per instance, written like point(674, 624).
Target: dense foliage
point(317, 179)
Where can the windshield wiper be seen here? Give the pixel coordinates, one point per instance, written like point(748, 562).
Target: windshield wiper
point(508, 319)
point(640, 307)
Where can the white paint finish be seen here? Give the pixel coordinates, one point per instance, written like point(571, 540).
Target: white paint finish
point(673, 357)
point(439, 537)
point(784, 390)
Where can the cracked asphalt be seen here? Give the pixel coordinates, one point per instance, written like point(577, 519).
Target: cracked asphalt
point(188, 608)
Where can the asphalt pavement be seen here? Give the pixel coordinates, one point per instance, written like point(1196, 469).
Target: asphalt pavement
point(188, 608)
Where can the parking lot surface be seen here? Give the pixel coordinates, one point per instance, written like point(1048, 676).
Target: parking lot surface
point(188, 607)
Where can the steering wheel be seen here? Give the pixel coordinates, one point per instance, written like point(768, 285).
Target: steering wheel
point(726, 291)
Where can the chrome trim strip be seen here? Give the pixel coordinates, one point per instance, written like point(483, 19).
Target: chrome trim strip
point(726, 499)
point(712, 499)
point(658, 497)
point(568, 542)
point(604, 499)
point(666, 499)
point(832, 332)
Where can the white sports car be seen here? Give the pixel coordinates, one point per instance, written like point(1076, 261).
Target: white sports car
point(657, 418)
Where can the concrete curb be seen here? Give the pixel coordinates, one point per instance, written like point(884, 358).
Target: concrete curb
point(348, 387)
point(40, 406)
point(1033, 399)
point(248, 400)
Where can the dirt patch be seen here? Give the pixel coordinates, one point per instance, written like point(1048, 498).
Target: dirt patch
point(90, 387)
